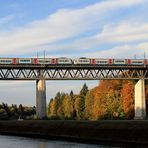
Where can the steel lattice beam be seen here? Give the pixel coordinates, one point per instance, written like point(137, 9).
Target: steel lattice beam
point(71, 73)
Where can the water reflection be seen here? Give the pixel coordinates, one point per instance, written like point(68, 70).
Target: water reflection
point(23, 142)
point(42, 145)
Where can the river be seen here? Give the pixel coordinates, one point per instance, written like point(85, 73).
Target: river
point(24, 142)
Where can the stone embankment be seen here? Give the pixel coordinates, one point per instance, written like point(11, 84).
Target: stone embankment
point(131, 133)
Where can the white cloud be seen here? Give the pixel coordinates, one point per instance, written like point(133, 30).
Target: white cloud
point(125, 32)
point(63, 24)
point(123, 51)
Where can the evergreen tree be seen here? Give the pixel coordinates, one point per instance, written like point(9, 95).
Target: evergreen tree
point(21, 110)
point(84, 90)
point(71, 94)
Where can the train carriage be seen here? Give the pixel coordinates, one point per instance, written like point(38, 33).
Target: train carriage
point(5, 61)
point(101, 62)
point(137, 62)
point(120, 62)
point(45, 61)
point(64, 61)
point(24, 61)
point(82, 61)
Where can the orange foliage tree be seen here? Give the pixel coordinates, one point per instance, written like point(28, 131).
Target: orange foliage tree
point(127, 96)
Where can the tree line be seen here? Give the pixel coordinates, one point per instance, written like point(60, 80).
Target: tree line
point(112, 99)
point(16, 112)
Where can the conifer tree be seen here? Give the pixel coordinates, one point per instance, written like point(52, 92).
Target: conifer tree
point(84, 90)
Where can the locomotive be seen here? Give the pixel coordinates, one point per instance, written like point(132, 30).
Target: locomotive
point(76, 61)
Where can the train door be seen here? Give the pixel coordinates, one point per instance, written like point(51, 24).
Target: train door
point(129, 62)
point(14, 61)
point(54, 61)
point(35, 61)
point(110, 61)
point(93, 62)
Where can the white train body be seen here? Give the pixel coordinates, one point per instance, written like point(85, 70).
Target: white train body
point(25, 61)
point(82, 61)
point(76, 61)
point(101, 61)
point(64, 61)
point(6, 61)
point(137, 62)
point(120, 62)
point(44, 61)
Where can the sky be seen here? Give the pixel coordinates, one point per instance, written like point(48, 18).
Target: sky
point(69, 28)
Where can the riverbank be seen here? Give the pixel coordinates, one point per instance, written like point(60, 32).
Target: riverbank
point(125, 133)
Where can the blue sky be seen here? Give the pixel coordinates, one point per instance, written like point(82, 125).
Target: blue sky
point(75, 28)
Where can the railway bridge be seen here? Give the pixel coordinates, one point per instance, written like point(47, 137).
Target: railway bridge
point(41, 73)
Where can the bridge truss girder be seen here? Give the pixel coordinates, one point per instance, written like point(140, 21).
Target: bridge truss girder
point(71, 73)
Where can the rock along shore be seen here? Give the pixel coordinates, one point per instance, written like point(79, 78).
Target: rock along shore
point(122, 133)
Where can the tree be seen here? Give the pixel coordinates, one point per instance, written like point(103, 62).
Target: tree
point(51, 108)
point(113, 104)
point(89, 104)
point(21, 110)
point(68, 107)
point(79, 107)
point(127, 96)
point(84, 90)
point(71, 94)
point(6, 108)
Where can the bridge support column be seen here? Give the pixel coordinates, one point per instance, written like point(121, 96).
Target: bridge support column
point(140, 102)
point(41, 99)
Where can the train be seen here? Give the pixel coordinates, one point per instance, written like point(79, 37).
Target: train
point(76, 61)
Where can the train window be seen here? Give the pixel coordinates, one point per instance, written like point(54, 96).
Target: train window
point(25, 60)
point(63, 60)
point(103, 62)
point(5, 61)
point(137, 62)
point(84, 60)
point(120, 61)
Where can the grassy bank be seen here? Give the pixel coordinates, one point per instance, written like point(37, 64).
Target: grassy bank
point(118, 132)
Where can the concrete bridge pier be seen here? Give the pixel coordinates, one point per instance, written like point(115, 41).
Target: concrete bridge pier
point(41, 99)
point(140, 102)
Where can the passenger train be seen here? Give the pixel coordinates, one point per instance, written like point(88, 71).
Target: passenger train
point(77, 61)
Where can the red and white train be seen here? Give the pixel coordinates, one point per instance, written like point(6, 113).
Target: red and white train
point(69, 61)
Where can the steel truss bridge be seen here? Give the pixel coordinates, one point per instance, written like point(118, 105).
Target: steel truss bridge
point(72, 72)
point(40, 73)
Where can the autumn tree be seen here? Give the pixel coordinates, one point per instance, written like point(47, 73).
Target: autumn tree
point(127, 96)
point(58, 104)
point(113, 104)
point(68, 107)
point(79, 107)
point(89, 104)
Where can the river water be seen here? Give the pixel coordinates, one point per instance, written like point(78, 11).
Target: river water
point(24, 142)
